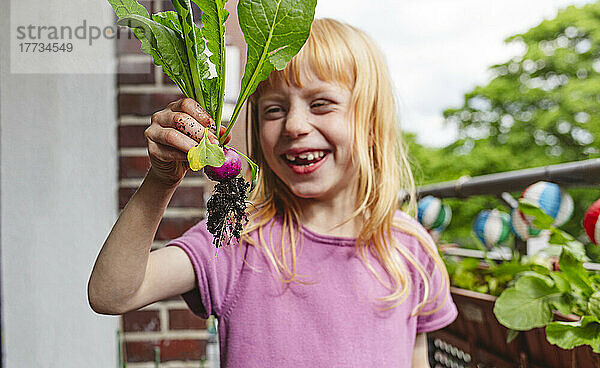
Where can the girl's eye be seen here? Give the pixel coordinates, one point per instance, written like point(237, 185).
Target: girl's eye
point(321, 105)
point(273, 112)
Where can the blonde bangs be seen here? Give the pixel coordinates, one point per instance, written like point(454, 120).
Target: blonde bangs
point(336, 52)
point(321, 56)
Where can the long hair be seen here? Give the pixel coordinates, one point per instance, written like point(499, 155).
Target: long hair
point(339, 53)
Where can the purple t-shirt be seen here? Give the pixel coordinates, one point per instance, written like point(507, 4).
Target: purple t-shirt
point(334, 321)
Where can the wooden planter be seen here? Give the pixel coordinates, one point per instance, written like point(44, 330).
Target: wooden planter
point(477, 339)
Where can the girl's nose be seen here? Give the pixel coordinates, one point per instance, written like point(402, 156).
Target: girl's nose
point(296, 123)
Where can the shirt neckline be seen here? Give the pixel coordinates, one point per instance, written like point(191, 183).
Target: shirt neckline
point(328, 239)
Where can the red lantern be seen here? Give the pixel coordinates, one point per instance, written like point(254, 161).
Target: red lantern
point(591, 223)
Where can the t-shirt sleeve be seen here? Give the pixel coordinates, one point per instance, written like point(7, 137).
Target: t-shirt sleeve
point(217, 271)
point(441, 311)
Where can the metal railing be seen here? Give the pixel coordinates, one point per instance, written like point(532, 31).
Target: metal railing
point(578, 173)
point(572, 174)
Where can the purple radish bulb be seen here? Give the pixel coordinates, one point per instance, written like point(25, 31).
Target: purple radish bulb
point(230, 168)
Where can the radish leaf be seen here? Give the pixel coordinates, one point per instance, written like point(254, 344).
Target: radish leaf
point(253, 168)
point(167, 49)
point(275, 30)
point(205, 153)
point(196, 58)
point(214, 16)
point(168, 19)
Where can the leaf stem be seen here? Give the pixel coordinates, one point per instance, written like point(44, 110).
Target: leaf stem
point(221, 84)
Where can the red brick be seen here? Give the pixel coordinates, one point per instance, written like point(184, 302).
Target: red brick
point(141, 321)
point(183, 319)
point(132, 135)
point(172, 227)
point(183, 197)
point(145, 103)
point(133, 167)
point(127, 43)
point(135, 73)
point(143, 351)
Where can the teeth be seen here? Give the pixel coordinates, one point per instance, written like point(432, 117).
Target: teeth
point(306, 156)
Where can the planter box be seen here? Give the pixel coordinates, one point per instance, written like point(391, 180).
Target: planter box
point(477, 339)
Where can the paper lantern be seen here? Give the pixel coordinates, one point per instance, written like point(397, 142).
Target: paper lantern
point(492, 227)
point(434, 215)
point(591, 223)
point(521, 227)
point(550, 199)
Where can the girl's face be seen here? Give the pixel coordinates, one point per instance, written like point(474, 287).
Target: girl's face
point(306, 138)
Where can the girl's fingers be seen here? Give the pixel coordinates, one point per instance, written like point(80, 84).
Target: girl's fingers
point(193, 109)
point(169, 137)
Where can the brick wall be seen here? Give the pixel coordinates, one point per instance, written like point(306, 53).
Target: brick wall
point(142, 90)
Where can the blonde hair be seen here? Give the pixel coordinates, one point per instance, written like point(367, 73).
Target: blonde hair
point(342, 54)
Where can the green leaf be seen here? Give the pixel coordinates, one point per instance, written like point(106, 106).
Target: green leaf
point(128, 7)
point(594, 304)
point(275, 31)
point(195, 58)
point(214, 16)
point(561, 281)
point(527, 304)
point(166, 47)
point(568, 335)
point(253, 168)
point(168, 19)
point(542, 220)
point(574, 271)
point(512, 334)
point(205, 153)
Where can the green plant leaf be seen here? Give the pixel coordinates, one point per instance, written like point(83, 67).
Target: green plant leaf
point(168, 19)
point(195, 56)
point(205, 153)
point(253, 168)
point(528, 304)
point(214, 16)
point(568, 335)
point(124, 8)
point(542, 220)
point(574, 271)
point(275, 31)
point(167, 49)
point(512, 334)
point(594, 305)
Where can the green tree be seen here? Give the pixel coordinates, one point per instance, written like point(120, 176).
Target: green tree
point(540, 108)
point(547, 99)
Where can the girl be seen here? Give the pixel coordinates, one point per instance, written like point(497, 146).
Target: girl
point(329, 271)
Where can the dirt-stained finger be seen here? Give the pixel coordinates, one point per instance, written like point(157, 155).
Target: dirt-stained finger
point(169, 137)
point(193, 108)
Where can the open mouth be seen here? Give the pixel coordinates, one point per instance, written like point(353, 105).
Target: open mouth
point(307, 159)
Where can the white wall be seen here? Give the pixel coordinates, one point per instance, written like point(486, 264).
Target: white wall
point(58, 197)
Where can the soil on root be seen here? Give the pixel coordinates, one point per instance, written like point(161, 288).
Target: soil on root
point(227, 210)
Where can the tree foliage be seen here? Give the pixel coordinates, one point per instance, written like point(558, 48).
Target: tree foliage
point(540, 108)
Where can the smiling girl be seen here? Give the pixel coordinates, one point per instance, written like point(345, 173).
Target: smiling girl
point(329, 272)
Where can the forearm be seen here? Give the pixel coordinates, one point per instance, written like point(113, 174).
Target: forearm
point(122, 262)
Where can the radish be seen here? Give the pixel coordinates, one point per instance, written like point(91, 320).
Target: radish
point(230, 168)
point(194, 59)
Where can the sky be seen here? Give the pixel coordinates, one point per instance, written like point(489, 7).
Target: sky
point(437, 50)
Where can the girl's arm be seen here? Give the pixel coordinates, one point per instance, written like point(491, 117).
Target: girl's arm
point(126, 275)
point(420, 357)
